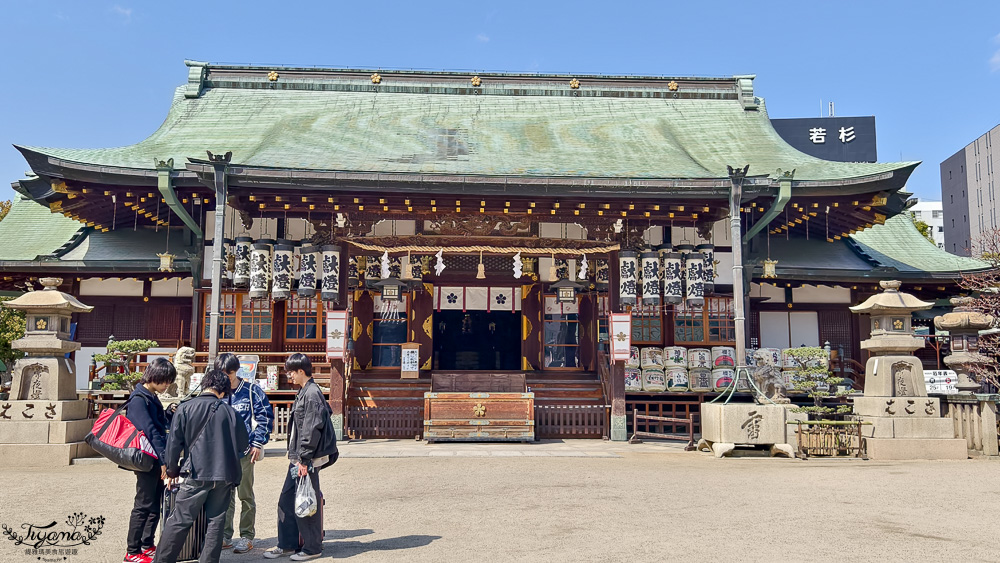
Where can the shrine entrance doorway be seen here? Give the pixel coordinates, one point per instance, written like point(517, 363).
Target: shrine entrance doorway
point(477, 340)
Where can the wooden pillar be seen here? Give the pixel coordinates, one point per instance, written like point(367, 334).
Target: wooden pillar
point(337, 397)
point(619, 432)
point(531, 327)
point(422, 323)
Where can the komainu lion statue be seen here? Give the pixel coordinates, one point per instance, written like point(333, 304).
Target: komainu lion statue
point(768, 377)
point(183, 362)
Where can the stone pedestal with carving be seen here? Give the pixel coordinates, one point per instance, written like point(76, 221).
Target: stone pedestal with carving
point(43, 424)
point(723, 427)
point(904, 422)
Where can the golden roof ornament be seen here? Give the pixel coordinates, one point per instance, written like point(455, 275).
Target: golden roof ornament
point(272, 76)
point(376, 78)
point(476, 81)
point(166, 262)
point(672, 86)
point(574, 84)
point(769, 271)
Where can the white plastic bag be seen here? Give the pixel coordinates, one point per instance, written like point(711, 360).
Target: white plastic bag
point(305, 498)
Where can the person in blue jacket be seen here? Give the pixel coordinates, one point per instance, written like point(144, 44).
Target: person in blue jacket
point(146, 412)
point(250, 402)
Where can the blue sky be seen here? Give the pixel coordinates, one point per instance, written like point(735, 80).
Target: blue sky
point(101, 73)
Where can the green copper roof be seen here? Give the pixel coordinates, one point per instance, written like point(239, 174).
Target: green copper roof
point(30, 230)
point(338, 123)
point(899, 244)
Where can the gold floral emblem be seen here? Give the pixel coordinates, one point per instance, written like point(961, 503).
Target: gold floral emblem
point(621, 336)
point(336, 334)
point(376, 78)
point(476, 81)
point(479, 410)
point(574, 84)
point(272, 76)
point(672, 86)
point(41, 324)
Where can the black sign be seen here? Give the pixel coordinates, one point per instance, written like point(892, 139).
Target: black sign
point(844, 139)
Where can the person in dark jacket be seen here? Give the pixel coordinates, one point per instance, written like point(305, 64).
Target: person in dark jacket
point(251, 403)
point(146, 412)
point(213, 437)
point(312, 445)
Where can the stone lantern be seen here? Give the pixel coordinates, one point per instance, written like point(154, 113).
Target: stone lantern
point(963, 325)
point(43, 423)
point(902, 422)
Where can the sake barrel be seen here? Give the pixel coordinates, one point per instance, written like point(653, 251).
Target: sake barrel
point(722, 378)
point(700, 379)
point(723, 356)
point(789, 378)
point(651, 357)
point(677, 379)
point(634, 360)
point(675, 357)
point(787, 361)
point(821, 362)
point(699, 358)
point(769, 357)
point(633, 379)
point(653, 380)
point(751, 357)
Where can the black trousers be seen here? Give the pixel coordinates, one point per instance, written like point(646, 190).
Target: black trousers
point(290, 527)
point(192, 495)
point(145, 512)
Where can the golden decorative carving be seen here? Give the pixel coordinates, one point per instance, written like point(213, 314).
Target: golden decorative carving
point(672, 86)
point(574, 84)
point(376, 78)
point(371, 330)
point(428, 325)
point(476, 81)
point(427, 364)
point(526, 328)
point(479, 410)
point(357, 329)
point(272, 76)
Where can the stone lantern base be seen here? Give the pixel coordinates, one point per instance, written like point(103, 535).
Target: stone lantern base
point(908, 428)
point(42, 433)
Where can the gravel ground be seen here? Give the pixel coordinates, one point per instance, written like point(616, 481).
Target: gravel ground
point(643, 504)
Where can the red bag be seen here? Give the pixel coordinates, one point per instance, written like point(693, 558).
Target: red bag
point(116, 438)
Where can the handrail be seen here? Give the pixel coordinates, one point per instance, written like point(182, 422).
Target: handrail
point(604, 372)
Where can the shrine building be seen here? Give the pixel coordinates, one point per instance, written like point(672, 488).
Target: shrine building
point(470, 231)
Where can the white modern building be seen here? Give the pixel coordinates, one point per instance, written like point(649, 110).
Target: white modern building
point(968, 184)
point(931, 212)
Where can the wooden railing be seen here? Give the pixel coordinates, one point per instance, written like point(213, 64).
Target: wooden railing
point(384, 422)
point(571, 421)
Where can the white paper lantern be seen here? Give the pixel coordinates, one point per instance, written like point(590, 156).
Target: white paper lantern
point(281, 272)
point(602, 274)
point(331, 273)
point(650, 262)
point(628, 266)
point(708, 274)
point(695, 283)
point(354, 276)
point(673, 278)
point(228, 261)
point(260, 268)
point(241, 273)
point(309, 257)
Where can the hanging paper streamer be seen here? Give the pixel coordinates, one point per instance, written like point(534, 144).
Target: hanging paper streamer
point(582, 274)
point(241, 272)
point(260, 268)
point(518, 267)
point(695, 284)
point(281, 288)
point(602, 275)
point(673, 278)
point(650, 262)
point(628, 262)
point(331, 273)
point(439, 265)
point(385, 273)
point(308, 270)
point(708, 273)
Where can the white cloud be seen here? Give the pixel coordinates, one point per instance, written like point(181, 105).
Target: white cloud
point(995, 59)
point(483, 38)
point(125, 13)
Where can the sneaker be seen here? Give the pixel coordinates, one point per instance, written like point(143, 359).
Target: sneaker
point(227, 543)
point(150, 551)
point(242, 545)
point(304, 556)
point(276, 552)
point(137, 558)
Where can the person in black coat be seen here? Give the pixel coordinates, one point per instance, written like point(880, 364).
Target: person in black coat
point(214, 438)
point(146, 412)
point(312, 445)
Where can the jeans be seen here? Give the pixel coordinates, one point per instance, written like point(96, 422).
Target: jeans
point(291, 527)
point(145, 512)
point(192, 495)
point(248, 508)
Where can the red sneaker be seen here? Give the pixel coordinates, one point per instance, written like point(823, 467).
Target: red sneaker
point(138, 558)
point(150, 551)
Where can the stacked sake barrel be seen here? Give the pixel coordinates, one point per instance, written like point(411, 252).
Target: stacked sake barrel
point(633, 375)
point(675, 366)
